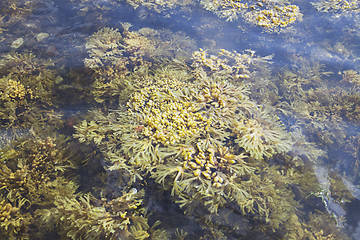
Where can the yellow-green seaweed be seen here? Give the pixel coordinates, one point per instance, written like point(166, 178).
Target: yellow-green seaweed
point(336, 5)
point(114, 55)
point(268, 14)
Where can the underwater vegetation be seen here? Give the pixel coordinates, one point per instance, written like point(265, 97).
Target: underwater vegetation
point(180, 142)
point(14, 11)
point(239, 65)
point(85, 217)
point(335, 6)
point(262, 135)
point(161, 6)
point(325, 112)
point(195, 131)
point(271, 15)
point(38, 196)
point(142, 8)
point(33, 171)
point(26, 87)
point(114, 55)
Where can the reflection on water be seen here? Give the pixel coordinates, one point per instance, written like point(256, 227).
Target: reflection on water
point(179, 119)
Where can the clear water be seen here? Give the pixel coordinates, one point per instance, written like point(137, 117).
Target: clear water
point(319, 50)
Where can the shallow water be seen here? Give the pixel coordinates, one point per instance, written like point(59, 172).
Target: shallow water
point(306, 84)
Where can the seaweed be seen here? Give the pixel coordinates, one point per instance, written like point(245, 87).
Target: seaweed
point(239, 65)
point(114, 55)
point(34, 170)
point(82, 216)
point(335, 6)
point(270, 15)
point(14, 11)
point(29, 167)
point(179, 128)
point(160, 6)
point(13, 224)
point(262, 134)
point(26, 87)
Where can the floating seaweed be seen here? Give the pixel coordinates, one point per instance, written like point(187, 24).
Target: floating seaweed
point(336, 5)
point(239, 65)
point(268, 14)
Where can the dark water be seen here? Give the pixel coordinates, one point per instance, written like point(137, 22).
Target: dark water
point(52, 80)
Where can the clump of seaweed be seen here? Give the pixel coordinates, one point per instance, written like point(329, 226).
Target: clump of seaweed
point(114, 55)
point(29, 167)
point(321, 106)
point(129, 49)
point(160, 6)
point(336, 5)
point(319, 226)
point(177, 128)
point(12, 223)
point(14, 11)
point(34, 171)
point(326, 113)
point(103, 47)
point(31, 71)
point(351, 77)
point(82, 216)
point(268, 14)
point(26, 88)
point(239, 65)
point(195, 131)
point(262, 135)
point(15, 101)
